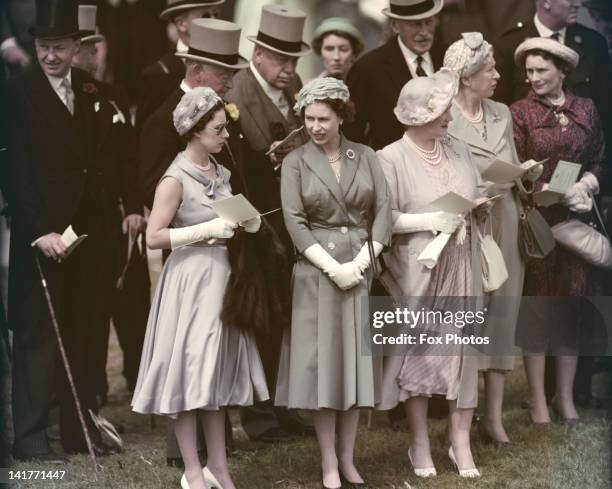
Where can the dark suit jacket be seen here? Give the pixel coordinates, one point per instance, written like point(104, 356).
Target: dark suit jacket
point(262, 123)
point(160, 143)
point(157, 82)
point(375, 82)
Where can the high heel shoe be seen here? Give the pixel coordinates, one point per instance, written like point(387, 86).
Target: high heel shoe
point(347, 484)
point(424, 472)
point(211, 480)
point(184, 483)
point(487, 439)
point(469, 473)
point(559, 418)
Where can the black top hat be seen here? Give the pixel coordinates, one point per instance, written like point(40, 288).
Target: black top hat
point(56, 19)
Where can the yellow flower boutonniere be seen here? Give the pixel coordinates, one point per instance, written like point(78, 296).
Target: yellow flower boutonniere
point(233, 111)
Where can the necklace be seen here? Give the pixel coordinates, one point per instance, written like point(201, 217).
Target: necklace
point(477, 119)
point(432, 157)
point(334, 158)
point(560, 100)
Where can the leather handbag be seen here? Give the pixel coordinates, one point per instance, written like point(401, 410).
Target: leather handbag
point(494, 270)
point(584, 240)
point(535, 238)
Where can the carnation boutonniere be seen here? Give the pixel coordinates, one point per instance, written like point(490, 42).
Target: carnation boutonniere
point(233, 111)
point(90, 88)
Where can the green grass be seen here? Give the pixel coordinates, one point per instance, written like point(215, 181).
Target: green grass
point(558, 458)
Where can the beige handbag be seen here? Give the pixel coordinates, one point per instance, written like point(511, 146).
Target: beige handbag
point(584, 240)
point(494, 270)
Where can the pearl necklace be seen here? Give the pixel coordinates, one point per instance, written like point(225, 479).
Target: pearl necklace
point(477, 119)
point(205, 167)
point(559, 101)
point(432, 157)
point(334, 158)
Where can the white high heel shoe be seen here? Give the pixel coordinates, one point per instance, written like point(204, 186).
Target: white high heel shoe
point(184, 483)
point(425, 472)
point(211, 480)
point(469, 473)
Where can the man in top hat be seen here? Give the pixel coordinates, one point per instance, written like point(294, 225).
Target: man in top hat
point(376, 79)
point(60, 188)
point(117, 153)
point(265, 94)
point(160, 79)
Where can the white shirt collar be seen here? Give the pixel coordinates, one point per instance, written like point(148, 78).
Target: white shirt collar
point(184, 87)
point(56, 81)
point(181, 47)
point(547, 32)
point(411, 59)
point(272, 92)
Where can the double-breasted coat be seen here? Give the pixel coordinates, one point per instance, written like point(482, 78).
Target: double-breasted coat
point(412, 190)
point(504, 218)
point(322, 362)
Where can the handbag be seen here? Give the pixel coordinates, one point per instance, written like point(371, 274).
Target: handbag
point(584, 240)
point(494, 270)
point(535, 238)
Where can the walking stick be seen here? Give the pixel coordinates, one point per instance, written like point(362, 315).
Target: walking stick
point(60, 344)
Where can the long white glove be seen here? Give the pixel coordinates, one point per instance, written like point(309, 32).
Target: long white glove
point(363, 257)
point(344, 276)
point(578, 197)
point(251, 225)
point(217, 228)
point(443, 222)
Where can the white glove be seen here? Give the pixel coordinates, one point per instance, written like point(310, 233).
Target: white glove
point(363, 257)
point(217, 228)
point(347, 275)
point(590, 182)
point(251, 225)
point(320, 258)
point(581, 189)
point(428, 221)
point(580, 203)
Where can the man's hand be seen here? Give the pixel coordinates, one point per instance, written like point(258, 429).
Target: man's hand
point(52, 246)
point(278, 155)
point(14, 54)
point(134, 224)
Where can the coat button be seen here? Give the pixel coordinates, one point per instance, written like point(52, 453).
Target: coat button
point(85, 171)
point(331, 246)
point(344, 230)
point(588, 79)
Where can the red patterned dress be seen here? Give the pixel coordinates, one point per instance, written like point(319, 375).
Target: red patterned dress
point(571, 132)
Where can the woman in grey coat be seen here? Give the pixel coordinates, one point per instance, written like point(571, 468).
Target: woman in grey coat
point(334, 197)
point(421, 167)
point(486, 127)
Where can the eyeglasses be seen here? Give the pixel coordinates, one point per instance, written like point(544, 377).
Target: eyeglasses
point(218, 130)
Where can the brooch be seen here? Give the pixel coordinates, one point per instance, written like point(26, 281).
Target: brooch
point(350, 154)
point(496, 117)
point(578, 39)
point(96, 106)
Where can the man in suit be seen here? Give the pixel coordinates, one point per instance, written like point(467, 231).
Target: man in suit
point(376, 79)
point(118, 151)
point(265, 94)
point(59, 184)
point(161, 78)
point(210, 61)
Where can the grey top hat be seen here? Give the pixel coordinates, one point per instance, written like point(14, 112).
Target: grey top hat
point(413, 9)
point(215, 41)
point(175, 7)
point(281, 29)
point(87, 24)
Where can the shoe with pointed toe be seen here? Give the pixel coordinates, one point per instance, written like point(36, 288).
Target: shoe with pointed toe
point(467, 473)
point(211, 480)
point(347, 484)
point(184, 483)
point(487, 439)
point(422, 472)
point(558, 416)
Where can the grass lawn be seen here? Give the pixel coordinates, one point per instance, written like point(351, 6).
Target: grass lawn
point(558, 458)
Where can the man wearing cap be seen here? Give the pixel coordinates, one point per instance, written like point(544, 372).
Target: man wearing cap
point(161, 78)
point(376, 79)
point(265, 94)
point(58, 185)
point(118, 154)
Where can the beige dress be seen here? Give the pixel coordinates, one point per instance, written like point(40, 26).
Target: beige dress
point(413, 187)
point(497, 142)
